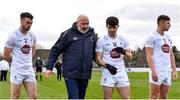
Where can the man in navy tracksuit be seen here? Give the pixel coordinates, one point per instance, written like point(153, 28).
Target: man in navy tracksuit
point(77, 45)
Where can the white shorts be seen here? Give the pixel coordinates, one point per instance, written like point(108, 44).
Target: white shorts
point(19, 78)
point(164, 77)
point(120, 79)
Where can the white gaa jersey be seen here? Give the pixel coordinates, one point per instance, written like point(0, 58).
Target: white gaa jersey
point(106, 45)
point(21, 46)
point(161, 50)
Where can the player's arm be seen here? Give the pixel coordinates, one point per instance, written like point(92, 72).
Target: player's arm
point(149, 53)
point(33, 50)
point(128, 54)
point(173, 65)
point(6, 54)
point(99, 60)
point(60, 46)
point(9, 45)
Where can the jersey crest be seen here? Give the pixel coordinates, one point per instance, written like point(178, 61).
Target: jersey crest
point(25, 49)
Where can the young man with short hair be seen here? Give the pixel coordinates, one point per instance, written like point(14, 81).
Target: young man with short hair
point(160, 58)
point(21, 45)
point(111, 50)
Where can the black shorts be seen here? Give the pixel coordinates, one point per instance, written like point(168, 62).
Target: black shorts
point(38, 69)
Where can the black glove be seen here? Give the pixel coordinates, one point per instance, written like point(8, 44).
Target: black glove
point(111, 69)
point(121, 50)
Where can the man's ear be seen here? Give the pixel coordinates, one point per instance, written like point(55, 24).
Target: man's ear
point(106, 25)
point(117, 26)
point(76, 23)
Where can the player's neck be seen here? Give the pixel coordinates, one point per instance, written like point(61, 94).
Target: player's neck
point(160, 31)
point(112, 35)
point(24, 32)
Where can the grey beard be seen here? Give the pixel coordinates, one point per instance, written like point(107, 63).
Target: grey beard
point(82, 31)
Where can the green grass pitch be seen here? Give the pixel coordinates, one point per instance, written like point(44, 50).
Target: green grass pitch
point(53, 89)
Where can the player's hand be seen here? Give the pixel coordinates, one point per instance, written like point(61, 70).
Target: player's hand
point(121, 50)
point(154, 76)
point(111, 69)
point(174, 75)
point(48, 74)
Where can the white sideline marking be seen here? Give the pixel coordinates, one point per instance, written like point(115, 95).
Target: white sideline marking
point(128, 69)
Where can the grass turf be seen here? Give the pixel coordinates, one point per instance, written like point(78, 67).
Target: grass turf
point(53, 89)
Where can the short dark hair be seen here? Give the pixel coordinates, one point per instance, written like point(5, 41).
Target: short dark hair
point(26, 15)
point(162, 18)
point(112, 21)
